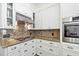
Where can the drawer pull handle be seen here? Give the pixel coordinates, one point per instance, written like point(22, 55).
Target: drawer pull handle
point(51, 43)
point(51, 49)
point(32, 41)
point(25, 43)
point(25, 50)
point(13, 48)
point(40, 41)
point(19, 51)
point(32, 53)
point(40, 52)
point(40, 46)
point(32, 46)
point(70, 47)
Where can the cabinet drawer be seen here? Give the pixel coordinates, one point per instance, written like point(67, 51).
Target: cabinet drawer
point(47, 43)
point(30, 47)
point(42, 41)
point(52, 50)
point(31, 42)
point(70, 47)
point(24, 51)
point(70, 53)
point(15, 53)
point(31, 53)
point(43, 53)
point(13, 48)
point(10, 54)
point(27, 52)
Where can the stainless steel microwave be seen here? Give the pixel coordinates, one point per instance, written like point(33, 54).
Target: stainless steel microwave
point(71, 30)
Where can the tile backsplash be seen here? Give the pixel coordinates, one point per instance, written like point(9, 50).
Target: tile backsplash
point(46, 34)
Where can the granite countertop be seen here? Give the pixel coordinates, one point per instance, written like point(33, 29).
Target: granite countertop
point(10, 42)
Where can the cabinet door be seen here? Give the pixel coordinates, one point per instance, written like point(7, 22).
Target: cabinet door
point(7, 15)
point(13, 48)
point(41, 52)
point(11, 54)
point(48, 18)
point(24, 8)
point(69, 9)
point(67, 52)
point(4, 15)
point(31, 53)
point(3, 51)
point(25, 50)
point(51, 17)
point(38, 20)
point(15, 53)
point(50, 47)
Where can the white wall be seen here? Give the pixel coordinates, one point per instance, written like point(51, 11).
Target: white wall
point(40, 6)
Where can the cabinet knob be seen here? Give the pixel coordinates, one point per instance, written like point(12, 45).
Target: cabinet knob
point(70, 47)
point(40, 52)
point(19, 51)
point(51, 49)
point(25, 44)
point(40, 41)
point(40, 46)
point(50, 43)
point(13, 48)
point(32, 41)
point(25, 50)
point(32, 46)
point(32, 53)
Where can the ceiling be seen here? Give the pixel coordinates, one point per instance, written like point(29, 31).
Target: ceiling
point(37, 6)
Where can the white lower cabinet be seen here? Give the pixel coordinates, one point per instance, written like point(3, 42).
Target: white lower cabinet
point(23, 49)
point(41, 52)
point(11, 54)
point(28, 48)
point(47, 48)
point(31, 53)
point(27, 51)
point(16, 53)
point(41, 48)
point(70, 50)
point(70, 53)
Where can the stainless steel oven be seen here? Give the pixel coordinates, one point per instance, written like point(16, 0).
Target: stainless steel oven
point(71, 30)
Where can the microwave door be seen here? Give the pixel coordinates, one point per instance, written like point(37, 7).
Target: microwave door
point(71, 31)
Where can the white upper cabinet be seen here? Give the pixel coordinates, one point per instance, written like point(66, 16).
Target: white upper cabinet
point(7, 15)
point(48, 18)
point(38, 20)
point(24, 8)
point(69, 9)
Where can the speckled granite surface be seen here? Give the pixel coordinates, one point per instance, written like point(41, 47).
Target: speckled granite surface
point(10, 42)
